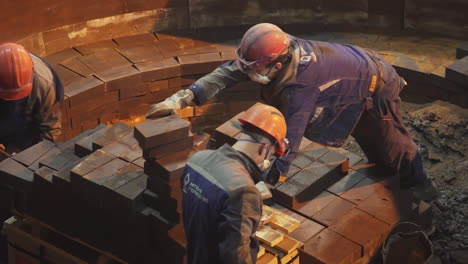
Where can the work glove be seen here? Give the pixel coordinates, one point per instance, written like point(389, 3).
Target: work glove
point(273, 175)
point(181, 99)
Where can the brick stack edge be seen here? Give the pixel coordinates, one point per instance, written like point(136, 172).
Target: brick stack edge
point(94, 187)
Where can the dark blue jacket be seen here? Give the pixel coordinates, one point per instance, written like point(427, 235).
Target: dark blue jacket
point(322, 92)
point(221, 207)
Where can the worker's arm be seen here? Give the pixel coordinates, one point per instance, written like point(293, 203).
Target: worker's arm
point(44, 107)
point(222, 77)
point(239, 217)
point(200, 91)
point(298, 111)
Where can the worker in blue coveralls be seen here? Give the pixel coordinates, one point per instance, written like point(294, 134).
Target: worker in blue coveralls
point(30, 96)
point(327, 92)
point(220, 202)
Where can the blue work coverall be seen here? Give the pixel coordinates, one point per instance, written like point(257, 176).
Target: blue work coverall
point(26, 121)
point(221, 207)
point(329, 91)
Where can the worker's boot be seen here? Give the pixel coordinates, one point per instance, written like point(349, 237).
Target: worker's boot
point(425, 191)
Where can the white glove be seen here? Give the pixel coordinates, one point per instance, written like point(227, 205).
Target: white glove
point(181, 99)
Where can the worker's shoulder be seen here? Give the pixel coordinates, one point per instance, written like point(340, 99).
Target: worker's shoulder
point(226, 172)
point(42, 71)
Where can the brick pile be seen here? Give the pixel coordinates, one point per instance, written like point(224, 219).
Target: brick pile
point(345, 208)
point(119, 79)
point(94, 187)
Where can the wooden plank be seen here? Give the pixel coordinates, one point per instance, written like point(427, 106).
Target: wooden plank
point(261, 251)
point(288, 245)
point(161, 131)
point(267, 258)
point(280, 221)
point(268, 236)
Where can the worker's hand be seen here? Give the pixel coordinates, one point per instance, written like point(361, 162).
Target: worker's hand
point(181, 99)
point(273, 175)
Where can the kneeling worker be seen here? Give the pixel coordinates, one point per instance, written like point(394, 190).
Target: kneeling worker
point(221, 205)
point(30, 96)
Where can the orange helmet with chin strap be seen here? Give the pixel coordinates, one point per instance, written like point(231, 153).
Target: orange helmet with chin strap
point(261, 45)
point(16, 71)
point(269, 120)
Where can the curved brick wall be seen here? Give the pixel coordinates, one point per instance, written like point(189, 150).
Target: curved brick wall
point(120, 78)
point(46, 27)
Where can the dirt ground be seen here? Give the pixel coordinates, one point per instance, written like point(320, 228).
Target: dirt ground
point(441, 131)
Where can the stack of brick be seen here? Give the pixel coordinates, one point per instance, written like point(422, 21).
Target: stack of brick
point(117, 79)
point(92, 188)
point(276, 246)
point(339, 201)
point(167, 143)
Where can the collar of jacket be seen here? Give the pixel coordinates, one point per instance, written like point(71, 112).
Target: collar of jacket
point(245, 160)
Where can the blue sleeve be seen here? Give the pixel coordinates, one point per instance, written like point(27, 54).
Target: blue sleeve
point(222, 77)
point(299, 109)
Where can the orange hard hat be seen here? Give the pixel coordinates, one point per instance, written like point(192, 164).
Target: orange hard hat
point(261, 45)
point(269, 120)
point(16, 71)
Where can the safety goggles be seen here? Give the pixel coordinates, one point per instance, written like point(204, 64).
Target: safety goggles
point(248, 66)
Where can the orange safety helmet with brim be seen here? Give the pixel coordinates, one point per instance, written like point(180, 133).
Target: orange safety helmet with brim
point(16, 71)
point(269, 120)
point(261, 45)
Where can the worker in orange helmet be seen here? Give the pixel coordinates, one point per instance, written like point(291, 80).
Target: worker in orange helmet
point(326, 91)
point(30, 95)
point(220, 202)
